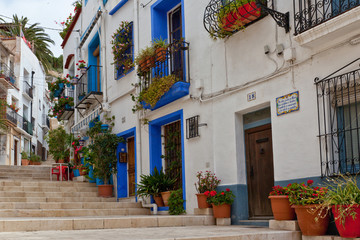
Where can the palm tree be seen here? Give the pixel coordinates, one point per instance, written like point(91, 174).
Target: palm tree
point(33, 33)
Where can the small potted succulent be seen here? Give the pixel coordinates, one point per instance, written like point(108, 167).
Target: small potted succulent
point(221, 202)
point(280, 204)
point(307, 200)
point(206, 182)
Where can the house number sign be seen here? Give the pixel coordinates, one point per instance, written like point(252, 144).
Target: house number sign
point(287, 103)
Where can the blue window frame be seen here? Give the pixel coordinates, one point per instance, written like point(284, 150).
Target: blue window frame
point(129, 54)
point(340, 6)
point(104, 2)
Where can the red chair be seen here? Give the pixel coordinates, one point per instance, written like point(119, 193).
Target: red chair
point(56, 171)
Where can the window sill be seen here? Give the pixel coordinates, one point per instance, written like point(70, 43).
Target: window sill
point(124, 75)
point(333, 31)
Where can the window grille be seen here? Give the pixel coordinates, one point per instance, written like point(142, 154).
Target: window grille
point(338, 101)
point(192, 127)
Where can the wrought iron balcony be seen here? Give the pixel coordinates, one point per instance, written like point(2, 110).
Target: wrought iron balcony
point(88, 88)
point(28, 89)
point(13, 117)
point(7, 76)
point(310, 13)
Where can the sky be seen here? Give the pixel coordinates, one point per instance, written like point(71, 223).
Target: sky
point(45, 12)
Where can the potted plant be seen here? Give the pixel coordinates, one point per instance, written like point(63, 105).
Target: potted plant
point(280, 204)
point(221, 202)
point(149, 186)
point(59, 144)
point(140, 61)
point(206, 182)
point(149, 54)
point(24, 159)
point(313, 219)
point(160, 47)
point(103, 156)
point(343, 197)
point(176, 203)
point(81, 64)
point(34, 159)
point(13, 107)
point(164, 184)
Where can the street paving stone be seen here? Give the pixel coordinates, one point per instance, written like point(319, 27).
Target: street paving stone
point(164, 233)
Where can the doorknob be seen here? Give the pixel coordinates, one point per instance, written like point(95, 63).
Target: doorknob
point(262, 151)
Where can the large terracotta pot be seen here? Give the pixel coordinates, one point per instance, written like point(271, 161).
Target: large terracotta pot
point(281, 208)
point(25, 162)
point(351, 227)
point(201, 199)
point(159, 201)
point(105, 190)
point(160, 54)
point(165, 197)
point(306, 219)
point(222, 211)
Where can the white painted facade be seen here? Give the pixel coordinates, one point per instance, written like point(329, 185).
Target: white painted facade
point(222, 73)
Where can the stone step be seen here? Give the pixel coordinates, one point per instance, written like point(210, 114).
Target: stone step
point(49, 194)
point(72, 212)
point(67, 205)
point(45, 183)
point(56, 199)
point(108, 222)
point(47, 189)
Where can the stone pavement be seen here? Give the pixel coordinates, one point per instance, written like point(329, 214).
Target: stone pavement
point(166, 233)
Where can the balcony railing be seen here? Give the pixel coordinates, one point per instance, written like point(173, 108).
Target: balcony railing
point(174, 62)
point(68, 92)
point(89, 82)
point(7, 73)
point(28, 89)
point(12, 116)
point(310, 13)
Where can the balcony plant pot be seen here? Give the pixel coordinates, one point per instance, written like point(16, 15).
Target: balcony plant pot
point(351, 227)
point(165, 197)
point(306, 219)
point(158, 200)
point(68, 107)
point(248, 12)
point(222, 210)
point(25, 162)
point(61, 86)
point(150, 62)
point(83, 70)
point(105, 190)
point(230, 22)
point(281, 208)
point(201, 199)
point(104, 127)
point(160, 54)
point(57, 93)
point(142, 65)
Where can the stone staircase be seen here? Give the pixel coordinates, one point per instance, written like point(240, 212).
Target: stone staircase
point(29, 201)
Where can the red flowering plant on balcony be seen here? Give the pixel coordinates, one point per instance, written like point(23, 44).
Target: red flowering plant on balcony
point(207, 181)
point(306, 194)
point(72, 79)
point(219, 198)
point(61, 105)
point(67, 23)
point(13, 107)
point(81, 64)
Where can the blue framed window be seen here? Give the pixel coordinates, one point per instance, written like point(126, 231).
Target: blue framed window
point(340, 6)
point(104, 2)
point(122, 70)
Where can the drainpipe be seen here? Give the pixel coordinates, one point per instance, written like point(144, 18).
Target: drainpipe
point(150, 205)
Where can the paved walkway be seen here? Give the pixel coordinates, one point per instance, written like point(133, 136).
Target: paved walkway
point(165, 233)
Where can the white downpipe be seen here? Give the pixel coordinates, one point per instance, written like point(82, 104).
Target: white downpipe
point(149, 205)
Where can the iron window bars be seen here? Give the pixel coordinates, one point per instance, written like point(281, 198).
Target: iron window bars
point(338, 102)
point(15, 118)
point(175, 62)
point(310, 13)
point(192, 127)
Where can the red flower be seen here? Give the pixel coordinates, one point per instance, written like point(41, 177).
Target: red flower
point(212, 193)
point(309, 182)
point(228, 190)
point(289, 185)
point(207, 193)
point(222, 193)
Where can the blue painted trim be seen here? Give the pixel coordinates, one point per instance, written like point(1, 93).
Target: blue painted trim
point(93, 19)
point(124, 75)
point(156, 146)
point(92, 61)
point(104, 2)
point(86, 2)
point(117, 7)
point(177, 91)
point(257, 123)
point(122, 174)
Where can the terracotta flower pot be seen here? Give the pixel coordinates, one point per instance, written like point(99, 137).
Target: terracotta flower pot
point(248, 12)
point(159, 201)
point(222, 211)
point(351, 227)
point(150, 62)
point(160, 54)
point(306, 219)
point(105, 190)
point(201, 199)
point(60, 161)
point(165, 196)
point(142, 65)
point(82, 171)
point(281, 208)
point(25, 162)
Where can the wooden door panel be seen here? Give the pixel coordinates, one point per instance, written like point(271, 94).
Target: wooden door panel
point(131, 166)
point(260, 170)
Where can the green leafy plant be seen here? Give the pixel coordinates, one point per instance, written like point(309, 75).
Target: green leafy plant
point(121, 45)
point(159, 43)
point(206, 181)
point(34, 157)
point(67, 23)
point(306, 194)
point(59, 143)
point(176, 203)
point(24, 155)
point(219, 198)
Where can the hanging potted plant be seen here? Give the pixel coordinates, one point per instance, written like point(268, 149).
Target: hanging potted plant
point(221, 202)
point(280, 204)
point(206, 182)
point(81, 64)
point(160, 47)
point(313, 219)
point(343, 197)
